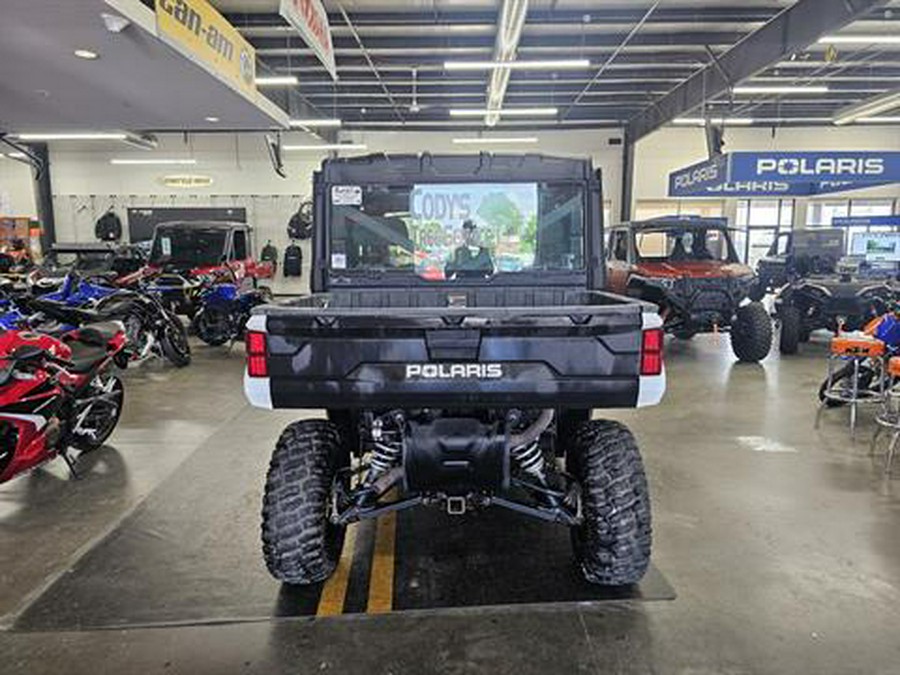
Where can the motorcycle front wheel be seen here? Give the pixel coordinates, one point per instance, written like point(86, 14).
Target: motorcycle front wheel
point(102, 415)
point(174, 343)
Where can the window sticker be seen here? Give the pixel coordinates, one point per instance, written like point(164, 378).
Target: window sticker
point(166, 246)
point(339, 261)
point(346, 195)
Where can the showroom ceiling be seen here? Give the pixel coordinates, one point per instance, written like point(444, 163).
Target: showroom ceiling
point(134, 82)
point(631, 66)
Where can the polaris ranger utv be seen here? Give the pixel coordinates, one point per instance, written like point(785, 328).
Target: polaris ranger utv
point(458, 339)
point(688, 267)
point(816, 286)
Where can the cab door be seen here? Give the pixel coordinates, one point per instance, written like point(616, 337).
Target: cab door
point(617, 261)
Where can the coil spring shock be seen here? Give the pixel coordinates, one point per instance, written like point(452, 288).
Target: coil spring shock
point(530, 459)
point(387, 450)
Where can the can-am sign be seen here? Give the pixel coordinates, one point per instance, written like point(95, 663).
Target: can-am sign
point(311, 21)
point(748, 174)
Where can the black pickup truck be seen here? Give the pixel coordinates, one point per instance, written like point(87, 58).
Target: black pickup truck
point(457, 340)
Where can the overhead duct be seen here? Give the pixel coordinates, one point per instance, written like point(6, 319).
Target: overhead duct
point(509, 32)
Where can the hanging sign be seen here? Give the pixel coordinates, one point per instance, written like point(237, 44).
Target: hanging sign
point(199, 32)
point(750, 174)
point(699, 177)
point(311, 21)
point(866, 221)
point(186, 181)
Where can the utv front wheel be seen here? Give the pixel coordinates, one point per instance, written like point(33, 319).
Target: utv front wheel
point(612, 544)
point(300, 544)
point(751, 333)
point(791, 330)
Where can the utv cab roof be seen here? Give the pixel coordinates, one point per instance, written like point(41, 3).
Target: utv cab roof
point(681, 222)
point(482, 167)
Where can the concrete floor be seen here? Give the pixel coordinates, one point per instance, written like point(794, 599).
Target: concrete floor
point(782, 542)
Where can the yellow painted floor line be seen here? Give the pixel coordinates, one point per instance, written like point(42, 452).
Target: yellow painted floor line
point(331, 603)
point(381, 579)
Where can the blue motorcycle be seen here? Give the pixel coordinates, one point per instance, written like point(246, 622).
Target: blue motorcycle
point(224, 309)
point(77, 292)
point(16, 311)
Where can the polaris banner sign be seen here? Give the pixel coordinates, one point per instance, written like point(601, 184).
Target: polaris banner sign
point(699, 177)
point(741, 174)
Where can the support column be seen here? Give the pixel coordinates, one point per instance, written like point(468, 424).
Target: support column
point(43, 194)
point(625, 208)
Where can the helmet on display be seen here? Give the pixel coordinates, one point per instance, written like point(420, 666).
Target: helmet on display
point(300, 224)
point(108, 227)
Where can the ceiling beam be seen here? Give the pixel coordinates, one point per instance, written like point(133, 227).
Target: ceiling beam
point(789, 32)
point(509, 32)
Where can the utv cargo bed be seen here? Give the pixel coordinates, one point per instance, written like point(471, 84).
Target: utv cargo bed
point(458, 348)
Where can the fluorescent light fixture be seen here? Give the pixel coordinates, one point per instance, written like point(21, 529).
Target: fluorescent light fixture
point(276, 80)
point(148, 161)
point(312, 123)
point(73, 136)
point(16, 155)
point(505, 112)
point(86, 54)
point(868, 108)
point(543, 64)
point(867, 120)
point(861, 39)
point(325, 147)
point(701, 122)
point(781, 89)
point(211, 118)
point(495, 141)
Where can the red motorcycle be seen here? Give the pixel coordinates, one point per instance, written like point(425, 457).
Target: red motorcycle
point(58, 394)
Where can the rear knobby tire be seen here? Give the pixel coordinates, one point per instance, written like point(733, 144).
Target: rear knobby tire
point(751, 333)
point(612, 545)
point(791, 330)
point(300, 544)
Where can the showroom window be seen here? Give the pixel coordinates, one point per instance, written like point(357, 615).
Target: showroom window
point(821, 214)
point(707, 208)
point(757, 223)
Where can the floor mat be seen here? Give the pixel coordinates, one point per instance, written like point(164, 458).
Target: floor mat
point(140, 576)
point(190, 553)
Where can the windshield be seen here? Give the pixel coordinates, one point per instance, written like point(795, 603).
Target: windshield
point(688, 244)
point(454, 230)
point(188, 247)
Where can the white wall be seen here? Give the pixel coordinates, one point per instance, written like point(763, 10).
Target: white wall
point(16, 189)
point(85, 184)
point(673, 148)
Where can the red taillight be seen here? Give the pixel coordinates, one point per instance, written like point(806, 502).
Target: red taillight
point(652, 352)
point(257, 366)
